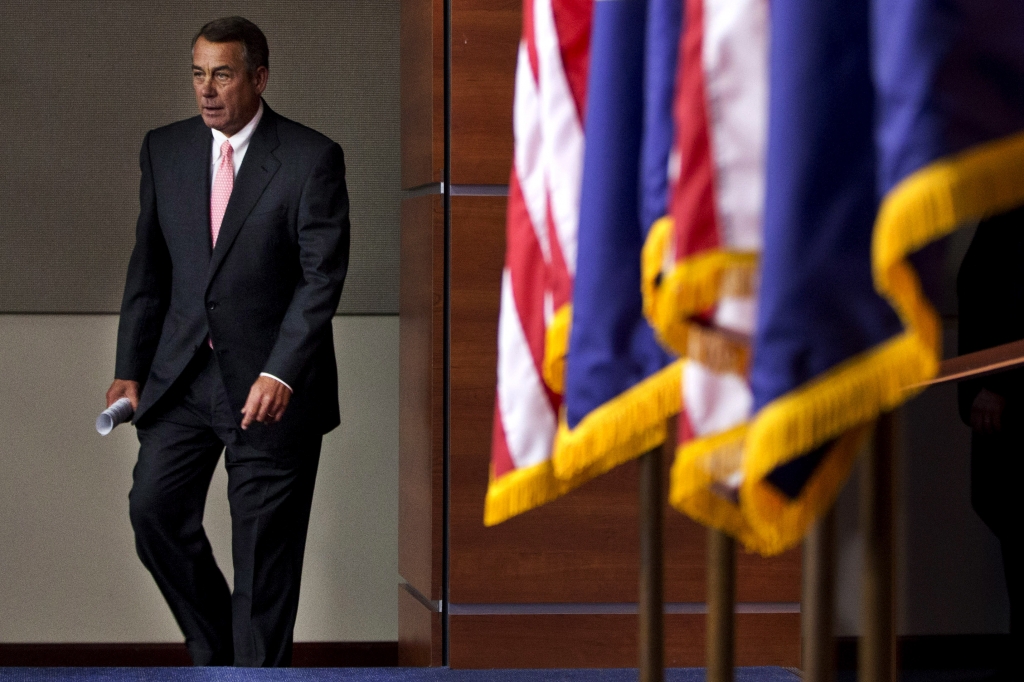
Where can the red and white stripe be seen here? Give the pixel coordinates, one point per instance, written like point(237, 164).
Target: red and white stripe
point(543, 213)
point(721, 119)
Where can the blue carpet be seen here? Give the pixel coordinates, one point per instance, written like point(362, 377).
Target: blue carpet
point(766, 674)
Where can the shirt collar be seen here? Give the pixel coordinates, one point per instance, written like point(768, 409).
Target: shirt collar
point(241, 138)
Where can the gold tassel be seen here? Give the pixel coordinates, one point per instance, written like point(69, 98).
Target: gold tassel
point(556, 348)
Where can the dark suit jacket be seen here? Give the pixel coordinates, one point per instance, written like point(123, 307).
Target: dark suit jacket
point(990, 292)
point(268, 291)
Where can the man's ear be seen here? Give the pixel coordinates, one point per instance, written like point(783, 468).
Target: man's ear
point(260, 79)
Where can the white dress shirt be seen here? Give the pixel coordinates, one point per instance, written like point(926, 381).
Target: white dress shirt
point(239, 145)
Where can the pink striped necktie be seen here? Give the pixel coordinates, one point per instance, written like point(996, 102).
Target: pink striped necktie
point(223, 183)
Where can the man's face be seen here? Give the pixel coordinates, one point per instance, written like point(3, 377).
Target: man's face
point(227, 94)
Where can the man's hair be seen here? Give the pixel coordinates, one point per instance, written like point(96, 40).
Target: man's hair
point(255, 51)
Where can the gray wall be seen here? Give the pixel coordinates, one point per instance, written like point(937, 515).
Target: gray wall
point(82, 82)
point(67, 559)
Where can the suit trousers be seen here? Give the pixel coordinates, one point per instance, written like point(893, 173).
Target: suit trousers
point(269, 492)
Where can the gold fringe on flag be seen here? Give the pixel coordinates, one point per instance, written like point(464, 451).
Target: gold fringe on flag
point(842, 403)
point(675, 291)
point(622, 429)
point(703, 473)
point(521, 490)
point(702, 485)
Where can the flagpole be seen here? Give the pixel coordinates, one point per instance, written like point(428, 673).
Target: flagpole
point(817, 608)
point(651, 606)
point(721, 605)
point(876, 653)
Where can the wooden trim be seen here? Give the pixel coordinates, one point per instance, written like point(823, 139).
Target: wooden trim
point(610, 608)
point(152, 654)
point(610, 641)
point(422, 91)
point(988, 361)
point(419, 632)
point(435, 606)
point(420, 381)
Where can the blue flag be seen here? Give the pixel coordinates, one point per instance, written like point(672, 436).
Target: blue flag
point(891, 124)
point(661, 61)
point(620, 385)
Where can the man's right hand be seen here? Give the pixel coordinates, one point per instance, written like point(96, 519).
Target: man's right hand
point(123, 388)
point(987, 412)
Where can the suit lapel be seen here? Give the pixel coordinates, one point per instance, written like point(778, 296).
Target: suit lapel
point(258, 167)
point(195, 188)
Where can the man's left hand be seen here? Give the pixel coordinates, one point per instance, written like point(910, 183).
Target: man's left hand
point(266, 403)
point(987, 412)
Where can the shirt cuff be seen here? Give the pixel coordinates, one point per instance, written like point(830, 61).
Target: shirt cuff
point(264, 374)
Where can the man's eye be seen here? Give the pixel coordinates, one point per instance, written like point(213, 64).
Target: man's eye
point(223, 76)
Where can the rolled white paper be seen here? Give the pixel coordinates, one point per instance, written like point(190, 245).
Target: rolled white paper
point(118, 413)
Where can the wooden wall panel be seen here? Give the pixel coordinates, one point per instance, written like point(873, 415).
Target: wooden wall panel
point(610, 641)
point(419, 633)
point(422, 91)
point(583, 547)
point(477, 256)
point(421, 367)
point(485, 39)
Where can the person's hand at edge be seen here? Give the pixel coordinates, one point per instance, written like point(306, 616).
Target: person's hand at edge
point(123, 388)
point(987, 412)
point(267, 401)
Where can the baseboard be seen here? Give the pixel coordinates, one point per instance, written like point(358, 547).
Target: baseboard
point(936, 652)
point(345, 655)
point(921, 652)
point(304, 655)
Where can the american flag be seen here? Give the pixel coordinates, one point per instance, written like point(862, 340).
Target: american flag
point(701, 289)
point(540, 260)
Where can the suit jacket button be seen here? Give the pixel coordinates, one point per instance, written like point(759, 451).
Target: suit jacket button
point(211, 305)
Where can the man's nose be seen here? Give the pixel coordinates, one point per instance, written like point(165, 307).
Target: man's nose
point(207, 89)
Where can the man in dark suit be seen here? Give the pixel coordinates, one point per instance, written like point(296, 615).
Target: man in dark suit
point(225, 341)
point(991, 312)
